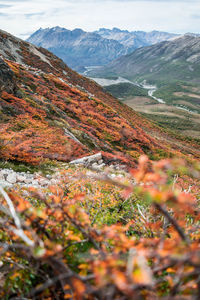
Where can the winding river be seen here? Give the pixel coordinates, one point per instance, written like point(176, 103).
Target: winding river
point(151, 88)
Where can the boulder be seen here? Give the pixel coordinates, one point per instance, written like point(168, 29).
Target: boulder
point(11, 178)
point(1, 176)
point(88, 159)
point(28, 181)
point(21, 178)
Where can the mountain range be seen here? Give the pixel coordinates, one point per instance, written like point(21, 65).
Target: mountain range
point(80, 49)
point(178, 59)
point(132, 40)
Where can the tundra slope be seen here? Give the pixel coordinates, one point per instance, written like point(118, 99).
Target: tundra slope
point(50, 112)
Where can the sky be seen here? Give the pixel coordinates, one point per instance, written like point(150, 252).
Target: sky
point(23, 17)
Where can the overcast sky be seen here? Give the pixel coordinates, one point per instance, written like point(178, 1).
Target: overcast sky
point(23, 17)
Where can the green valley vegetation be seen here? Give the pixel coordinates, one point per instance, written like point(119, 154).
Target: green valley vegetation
point(125, 89)
point(174, 68)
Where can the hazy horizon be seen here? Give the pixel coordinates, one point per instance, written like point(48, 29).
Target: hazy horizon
point(23, 17)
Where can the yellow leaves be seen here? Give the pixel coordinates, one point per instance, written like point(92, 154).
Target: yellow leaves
point(83, 266)
point(170, 270)
point(83, 269)
point(68, 296)
point(15, 275)
point(41, 213)
point(72, 236)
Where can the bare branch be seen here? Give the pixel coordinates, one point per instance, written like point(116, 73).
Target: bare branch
point(173, 222)
point(16, 219)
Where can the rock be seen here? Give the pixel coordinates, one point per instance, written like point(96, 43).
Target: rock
point(120, 176)
point(43, 182)
point(12, 178)
point(5, 184)
point(34, 183)
point(94, 165)
point(102, 166)
point(99, 167)
point(100, 161)
point(28, 181)
point(21, 178)
point(1, 177)
point(112, 175)
point(5, 172)
point(53, 182)
point(88, 159)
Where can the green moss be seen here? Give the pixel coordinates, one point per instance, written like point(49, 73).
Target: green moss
point(46, 167)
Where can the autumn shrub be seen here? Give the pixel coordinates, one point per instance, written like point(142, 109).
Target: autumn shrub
point(95, 237)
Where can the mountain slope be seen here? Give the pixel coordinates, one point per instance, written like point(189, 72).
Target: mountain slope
point(170, 60)
point(174, 67)
point(50, 112)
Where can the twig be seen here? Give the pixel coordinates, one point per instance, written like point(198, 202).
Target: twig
point(75, 243)
point(48, 283)
point(55, 279)
point(173, 222)
point(16, 219)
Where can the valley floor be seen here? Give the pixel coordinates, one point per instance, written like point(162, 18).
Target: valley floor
point(172, 117)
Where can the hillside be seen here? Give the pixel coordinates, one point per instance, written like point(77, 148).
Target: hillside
point(50, 112)
point(127, 228)
point(172, 66)
point(177, 59)
point(80, 49)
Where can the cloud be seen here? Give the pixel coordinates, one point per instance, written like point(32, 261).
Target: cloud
point(24, 16)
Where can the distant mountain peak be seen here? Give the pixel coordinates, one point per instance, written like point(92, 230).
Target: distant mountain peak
point(79, 48)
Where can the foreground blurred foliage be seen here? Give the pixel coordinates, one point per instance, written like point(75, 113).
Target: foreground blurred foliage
point(94, 237)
